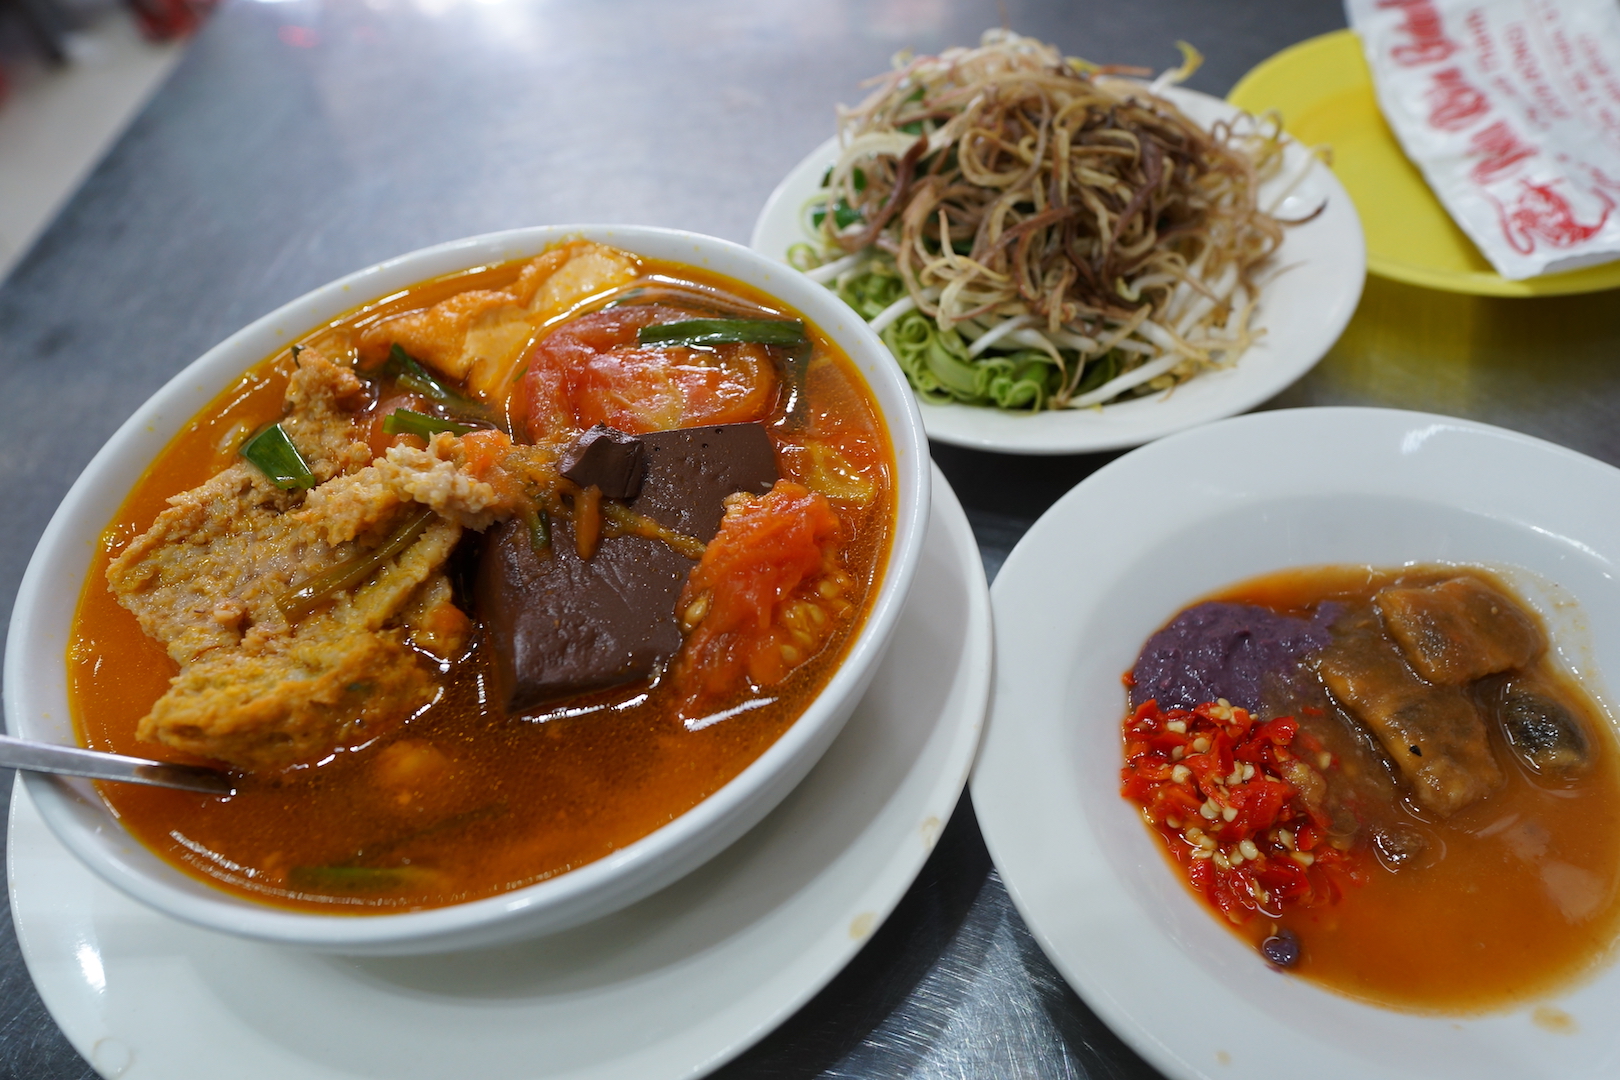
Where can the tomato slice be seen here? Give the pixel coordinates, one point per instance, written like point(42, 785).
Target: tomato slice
point(751, 595)
point(592, 370)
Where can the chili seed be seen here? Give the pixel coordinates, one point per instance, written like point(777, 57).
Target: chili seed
point(1200, 745)
point(1228, 813)
point(1248, 849)
point(1177, 726)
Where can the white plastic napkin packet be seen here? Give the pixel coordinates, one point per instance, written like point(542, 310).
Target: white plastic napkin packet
point(1512, 110)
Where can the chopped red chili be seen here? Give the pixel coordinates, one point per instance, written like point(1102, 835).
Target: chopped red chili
point(1211, 781)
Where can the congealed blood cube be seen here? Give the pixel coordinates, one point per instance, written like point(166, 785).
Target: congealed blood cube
point(561, 625)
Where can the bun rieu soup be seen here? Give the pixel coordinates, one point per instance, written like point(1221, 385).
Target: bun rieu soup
point(1382, 781)
point(484, 581)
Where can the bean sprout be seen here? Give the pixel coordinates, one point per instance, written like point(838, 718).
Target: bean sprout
point(1076, 227)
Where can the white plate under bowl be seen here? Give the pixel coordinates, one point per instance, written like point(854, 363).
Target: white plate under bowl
point(36, 690)
point(669, 988)
point(1310, 292)
point(1152, 532)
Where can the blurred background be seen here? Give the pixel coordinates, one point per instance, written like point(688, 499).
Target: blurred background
point(72, 74)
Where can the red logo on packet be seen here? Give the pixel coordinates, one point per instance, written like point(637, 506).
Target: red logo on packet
point(1453, 101)
point(1427, 30)
point(1500, 148)
point(1540, 213)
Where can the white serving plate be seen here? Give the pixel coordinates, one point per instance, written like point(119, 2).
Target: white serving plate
point(669, 988)
point(36, 682)
point(1310, 292)
point(1136, 542)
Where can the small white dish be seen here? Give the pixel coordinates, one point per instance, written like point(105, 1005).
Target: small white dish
point(36, 690)
point(669, 988)
point(1315, 284)
point(1143, 537)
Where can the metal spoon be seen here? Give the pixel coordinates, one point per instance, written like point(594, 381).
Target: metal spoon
point(76, 761)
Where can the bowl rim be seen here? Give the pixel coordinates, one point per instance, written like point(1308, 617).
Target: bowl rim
point(162, 416)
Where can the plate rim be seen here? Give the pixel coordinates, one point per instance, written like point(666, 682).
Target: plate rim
point(81, 1012)
point(1282, 65)
point(1076, 438)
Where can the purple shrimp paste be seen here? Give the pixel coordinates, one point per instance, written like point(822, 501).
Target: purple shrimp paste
point(1218, 650)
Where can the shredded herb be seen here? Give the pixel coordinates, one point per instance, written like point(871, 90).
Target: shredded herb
point(309, 595)
point(539, 523)
point(411, 422)
point(784, 332)
point(273, 453)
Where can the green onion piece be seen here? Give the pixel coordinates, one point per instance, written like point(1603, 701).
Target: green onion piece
point(539, 532)
point(844, 215)
point(410, 374)
point(350, 572)
point(345, 879)
point(274, 454)
point(411, 422)
point(718, 331)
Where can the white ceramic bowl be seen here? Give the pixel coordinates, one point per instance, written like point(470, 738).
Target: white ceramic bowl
point(36, 699)
point(1143, 537)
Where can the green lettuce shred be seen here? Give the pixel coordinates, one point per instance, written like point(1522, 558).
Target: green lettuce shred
point(936, 361)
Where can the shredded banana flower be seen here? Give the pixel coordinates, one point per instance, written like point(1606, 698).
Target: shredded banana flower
point(1033, 232)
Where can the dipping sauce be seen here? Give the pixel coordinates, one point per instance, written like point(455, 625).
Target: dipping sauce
point(1422, 811)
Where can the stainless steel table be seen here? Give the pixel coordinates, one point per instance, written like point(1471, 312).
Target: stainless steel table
point(303, 139)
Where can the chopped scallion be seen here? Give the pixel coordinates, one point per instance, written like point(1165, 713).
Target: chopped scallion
point(411, 375)
point(307, 596)
point(411, 422)
point(539, 523)
point(844, 215)
point(273, 453)
point(719, 331)
point(356, 878)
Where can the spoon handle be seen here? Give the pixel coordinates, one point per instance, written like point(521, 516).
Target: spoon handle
point(76, 761)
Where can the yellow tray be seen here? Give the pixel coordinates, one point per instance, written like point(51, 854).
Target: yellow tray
point(1324, 92)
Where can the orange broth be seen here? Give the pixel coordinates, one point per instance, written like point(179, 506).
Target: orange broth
point(495, 802)
point(1519, 898)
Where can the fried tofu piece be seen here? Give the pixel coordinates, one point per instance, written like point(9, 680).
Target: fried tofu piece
point(341, 676)
point(214, 563)
point(208, 578)
point(1459, 630)
point(479, 336)
point(1433, 734)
